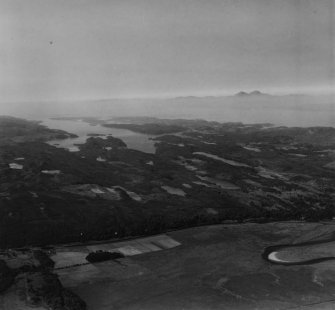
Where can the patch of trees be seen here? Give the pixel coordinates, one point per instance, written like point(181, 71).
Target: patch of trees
point(6, 276)
point(44, 260)
point(73, 219)
point(314, 209)
point(97, 143)
point(100, 256)
point(45, 288)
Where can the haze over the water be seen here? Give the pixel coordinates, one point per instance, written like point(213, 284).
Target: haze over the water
point(72, 50)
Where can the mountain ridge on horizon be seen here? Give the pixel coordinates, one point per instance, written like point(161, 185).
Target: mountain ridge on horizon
point(253, 93)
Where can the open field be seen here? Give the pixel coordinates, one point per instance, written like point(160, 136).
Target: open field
point(76, 255)
point(215, 267)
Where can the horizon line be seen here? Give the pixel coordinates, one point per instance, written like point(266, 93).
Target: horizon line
point(163, 96)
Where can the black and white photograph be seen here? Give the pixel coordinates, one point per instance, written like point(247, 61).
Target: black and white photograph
point(167, 154)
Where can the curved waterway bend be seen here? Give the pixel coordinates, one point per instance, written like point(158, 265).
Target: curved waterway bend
point(301, 253)
point(82, 129)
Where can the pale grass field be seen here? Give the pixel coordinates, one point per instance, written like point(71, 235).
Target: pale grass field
point(67, 257)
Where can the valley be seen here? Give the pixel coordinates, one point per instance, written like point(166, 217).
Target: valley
point(212, 194)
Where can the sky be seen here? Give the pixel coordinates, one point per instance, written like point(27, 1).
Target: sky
point(84, 49)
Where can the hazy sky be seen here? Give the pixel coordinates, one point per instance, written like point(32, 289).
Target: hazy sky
point(77, 49)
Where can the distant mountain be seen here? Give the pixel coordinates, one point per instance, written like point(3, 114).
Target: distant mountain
point(245, 95)
point(242, 94)
point(254, 93)
point(187, 97)
point(251, 94)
